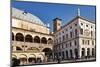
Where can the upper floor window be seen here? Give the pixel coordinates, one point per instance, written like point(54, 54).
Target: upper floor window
point(66, 45)
point(81, 23)
point(71, 34)
point(82, 41)
point(75, 31)
point(86, 25)
point(91, 33)
point(75, 43)
point(63, 37)
point(92, 42)
point(70, 44)
point(88, 42)
point(91, 27)
point(66, 36)
point(70, 27)
point(75, 24)
point(81, 31)
point(60, 39)
point(66, 29)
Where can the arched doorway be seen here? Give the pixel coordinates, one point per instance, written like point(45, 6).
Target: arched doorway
point(36, 39)
point(88, 52)
point(40, 58)
point(76, 53)
point(23, 59)
point(43, 40)
point(93, 52)
point(83, 52)
point(19, 37)
point(71, 54)
point(50, 41)
point(48, 53)
point(32, 59)
point(28, 38)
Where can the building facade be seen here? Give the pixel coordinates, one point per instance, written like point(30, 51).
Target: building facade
point(32, 40)
point(75, 40)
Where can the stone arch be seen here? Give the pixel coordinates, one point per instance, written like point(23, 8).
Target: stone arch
point(12, 36)
point(19, 37)
point(40, 58)
point(28, 38)
point(36, 39)
point(43, 40)
point(47, 51)
point(23, 59)
point(14, 56)
point(22, 56)
point(32, 58)
point(50, 41)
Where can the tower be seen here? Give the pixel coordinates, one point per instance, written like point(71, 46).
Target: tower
point(57, 24)
point(78, 12)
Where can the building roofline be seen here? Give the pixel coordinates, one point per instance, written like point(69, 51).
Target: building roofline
point(75, 19)
point(33, 31)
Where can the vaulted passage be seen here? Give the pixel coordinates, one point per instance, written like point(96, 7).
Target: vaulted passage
point(36, 39)
point(19, 37)
point(28, 38)
point(43, 40)
point(50, 41)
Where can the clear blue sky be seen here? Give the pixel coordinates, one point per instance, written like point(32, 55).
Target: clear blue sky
point(48, 11)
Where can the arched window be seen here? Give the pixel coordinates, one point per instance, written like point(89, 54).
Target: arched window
point(28, 38)
point(76, 53)
point(83, 52)
point(50, 41)
point(93, 54)
point(12, 36)
point(88, 51)
point(43, 40)
point(71, 54)
point(36, 39)
point(19, 37)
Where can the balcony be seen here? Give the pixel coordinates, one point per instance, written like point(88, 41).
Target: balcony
point(18, 43)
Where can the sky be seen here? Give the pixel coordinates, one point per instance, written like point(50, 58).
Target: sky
point(48, 11)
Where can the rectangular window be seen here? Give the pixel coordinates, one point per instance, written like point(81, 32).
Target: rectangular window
point(91, 33)
point(75, 32)
point(63, 37)
point(88, 42)
point(75, 42)
point(81, 31)
point(70, 44)
point(83, 42)
point(66, 45)
point(92, 42)
point(66, 36)
point(70, 34)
